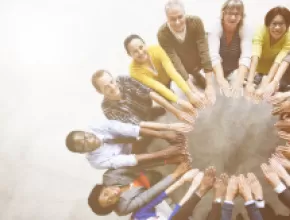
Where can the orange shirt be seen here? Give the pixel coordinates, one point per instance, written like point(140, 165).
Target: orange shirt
point(142, 180)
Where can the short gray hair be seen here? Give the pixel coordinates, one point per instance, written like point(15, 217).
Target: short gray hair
point(174, 3)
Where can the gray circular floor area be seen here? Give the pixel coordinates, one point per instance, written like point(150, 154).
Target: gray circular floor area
point(235, 136)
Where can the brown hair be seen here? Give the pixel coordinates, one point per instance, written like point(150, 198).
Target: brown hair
point(233, 4)
point(96, 75)
point(279, 10)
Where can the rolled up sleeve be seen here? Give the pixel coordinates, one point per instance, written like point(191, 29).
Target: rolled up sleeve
point(214, 44)
point(246, 46)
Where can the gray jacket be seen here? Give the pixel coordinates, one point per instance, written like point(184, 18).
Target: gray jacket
point(135, 197)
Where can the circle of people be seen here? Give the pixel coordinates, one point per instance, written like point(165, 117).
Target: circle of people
point(255, 66)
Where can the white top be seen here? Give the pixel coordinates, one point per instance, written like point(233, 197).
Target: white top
point(215, 35)
point(113, 155)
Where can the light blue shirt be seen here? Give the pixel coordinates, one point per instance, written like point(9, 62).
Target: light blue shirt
point(113, 155)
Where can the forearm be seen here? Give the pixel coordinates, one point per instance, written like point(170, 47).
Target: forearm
point(164, 103)
point(253, 67)
point(150, 132)
point(242, 73)
point(191, 85)
point(273, 71)
point(174, 186)
point(142, 159)
point(286, 179)
point(186, 210)
point(208, 79)
point(281, 71)
point(219, 72)
point(154, 125)
point(143, 198)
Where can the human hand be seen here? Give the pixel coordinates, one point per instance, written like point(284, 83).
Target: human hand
point(277, 98)
point(270, 89)
point(187, 107)
point(225, 88)
point(258, 95)
point(232, 189)
point(283, 125)
point(285, 150)
point(282, 160)
point(250, 91)
point(278, 168)
point(196, 100)
point(172, 136)
point(181, 169)
point(237, 89)
point(175, 159)
point(284, 135)
point(270, 175)
point(180, 127)
point(207, 181)
point(189, 175)
point(255, 185)
point(210, 95)
point(185, 117)
point(244, 188)
point(283, 107)
point(220, 186)
point(174, 150)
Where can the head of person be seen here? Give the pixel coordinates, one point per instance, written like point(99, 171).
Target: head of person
point(175, 15)
point(136, 48)
point(82, 142)
point(232, 14)
point(103, 199)
point(105, 84)
point(277, 20)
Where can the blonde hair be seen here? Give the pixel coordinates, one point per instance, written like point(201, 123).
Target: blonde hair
point(233, 4)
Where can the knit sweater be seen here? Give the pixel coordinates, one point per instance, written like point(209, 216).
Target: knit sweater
point(191, 55)
point(160, 80)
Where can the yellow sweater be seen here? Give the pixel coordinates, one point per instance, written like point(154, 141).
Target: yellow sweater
point(269, 53)
point(165, 74)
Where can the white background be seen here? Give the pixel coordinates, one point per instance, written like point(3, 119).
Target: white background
point(48, 52)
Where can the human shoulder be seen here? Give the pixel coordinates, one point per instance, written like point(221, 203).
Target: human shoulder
point(193, 19)
point(216, 28)
point(163, 31)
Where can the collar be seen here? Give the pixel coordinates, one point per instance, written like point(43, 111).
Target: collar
point(179, 36)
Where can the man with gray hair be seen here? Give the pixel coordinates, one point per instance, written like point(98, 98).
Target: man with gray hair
point(184, 40)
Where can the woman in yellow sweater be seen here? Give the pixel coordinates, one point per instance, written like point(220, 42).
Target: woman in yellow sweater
point(271, 44)
point(152, 67)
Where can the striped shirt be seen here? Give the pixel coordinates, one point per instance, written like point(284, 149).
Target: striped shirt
point(135, 104)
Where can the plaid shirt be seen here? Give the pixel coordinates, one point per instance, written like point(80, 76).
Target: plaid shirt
point(135, 104)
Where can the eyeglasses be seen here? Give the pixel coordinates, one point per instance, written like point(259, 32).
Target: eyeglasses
point(280, 24)
point(230, 13)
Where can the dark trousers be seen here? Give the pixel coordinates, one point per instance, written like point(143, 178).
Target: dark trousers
point(198, 80)
point(258, 78)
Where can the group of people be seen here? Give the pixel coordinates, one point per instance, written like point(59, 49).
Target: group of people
point(256, 66)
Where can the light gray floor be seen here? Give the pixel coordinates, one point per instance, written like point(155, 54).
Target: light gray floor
point(235, 136)
point(48, 51)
